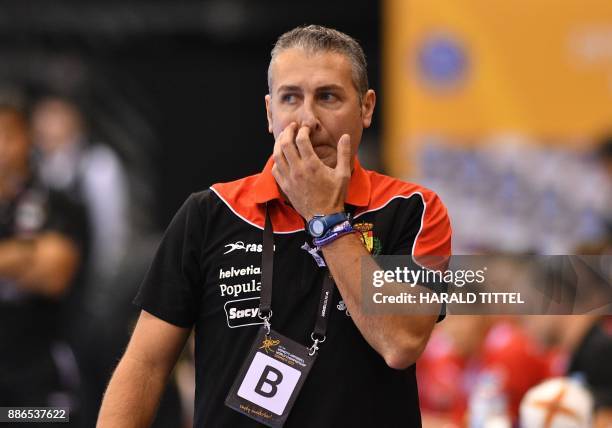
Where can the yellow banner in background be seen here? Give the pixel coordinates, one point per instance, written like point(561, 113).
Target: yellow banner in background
point(471, 69)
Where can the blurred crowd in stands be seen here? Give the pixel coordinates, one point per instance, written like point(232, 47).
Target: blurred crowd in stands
point(72, 257)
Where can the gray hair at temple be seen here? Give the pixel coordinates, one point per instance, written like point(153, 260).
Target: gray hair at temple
point(316, 38)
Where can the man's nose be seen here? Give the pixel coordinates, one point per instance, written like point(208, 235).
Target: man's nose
point(309, 116)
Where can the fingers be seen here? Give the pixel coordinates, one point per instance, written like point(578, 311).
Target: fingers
point(278, 176)
point(286, 142)
point(303, 143)
point(280, 157)
point(343, 165)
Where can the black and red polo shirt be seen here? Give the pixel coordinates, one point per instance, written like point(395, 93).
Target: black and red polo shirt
point(206, 274)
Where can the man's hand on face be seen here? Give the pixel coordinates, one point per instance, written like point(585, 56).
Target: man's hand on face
point(311, 186)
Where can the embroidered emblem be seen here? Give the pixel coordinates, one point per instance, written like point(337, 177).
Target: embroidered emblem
point(371, 242)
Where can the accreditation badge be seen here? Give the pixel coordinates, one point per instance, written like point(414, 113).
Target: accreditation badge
point(270, 378)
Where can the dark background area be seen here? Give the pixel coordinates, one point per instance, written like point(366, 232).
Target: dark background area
point(176, 87)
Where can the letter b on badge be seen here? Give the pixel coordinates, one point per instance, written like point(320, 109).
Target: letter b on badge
point(269, 383)
point(266, 380)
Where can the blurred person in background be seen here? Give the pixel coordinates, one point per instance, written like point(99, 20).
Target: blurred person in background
point(43, 241)
point(94, 176)
point(92, 173)
point(592, 359)
point(477, 366)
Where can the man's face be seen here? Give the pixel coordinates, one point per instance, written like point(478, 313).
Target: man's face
point(14, 145)
point(56, 125)
point(317, 90)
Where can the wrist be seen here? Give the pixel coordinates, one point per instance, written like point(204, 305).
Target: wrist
point(341, 241)
point(321, 225)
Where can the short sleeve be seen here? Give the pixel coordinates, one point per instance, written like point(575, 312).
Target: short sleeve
point(421, 227)
point(171, 287)
point(423, 230)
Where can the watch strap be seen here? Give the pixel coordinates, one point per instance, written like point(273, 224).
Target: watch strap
point(329, 221)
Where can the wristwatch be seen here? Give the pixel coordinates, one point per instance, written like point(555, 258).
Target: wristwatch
point(320, 224)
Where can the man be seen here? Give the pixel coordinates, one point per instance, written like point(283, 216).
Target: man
point(93, 173)
point(208, 270)
point(41, 244)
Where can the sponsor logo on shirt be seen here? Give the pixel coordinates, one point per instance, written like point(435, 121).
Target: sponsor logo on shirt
point(246, 286)
point(232, 271)
point(242, 312)
point(236, 289)
point(241, 246)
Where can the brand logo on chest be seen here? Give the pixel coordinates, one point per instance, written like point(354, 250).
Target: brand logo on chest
point(242, 312)
point(241, 246)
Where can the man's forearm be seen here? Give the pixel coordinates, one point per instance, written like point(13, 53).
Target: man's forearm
point(132, 396)
point(399, 339)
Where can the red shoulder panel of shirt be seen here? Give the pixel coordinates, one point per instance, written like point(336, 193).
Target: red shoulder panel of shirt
point(433, 238)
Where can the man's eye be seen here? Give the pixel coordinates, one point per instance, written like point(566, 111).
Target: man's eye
point(288, 98)
point(328, 96)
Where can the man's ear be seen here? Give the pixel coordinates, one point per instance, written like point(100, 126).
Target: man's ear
point(367, 108)
point(269, 113)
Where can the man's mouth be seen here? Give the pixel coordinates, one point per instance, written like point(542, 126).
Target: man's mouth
point(322, 147)
point(320, 144)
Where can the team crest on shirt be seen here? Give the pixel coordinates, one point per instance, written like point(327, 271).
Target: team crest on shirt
point(371, 242)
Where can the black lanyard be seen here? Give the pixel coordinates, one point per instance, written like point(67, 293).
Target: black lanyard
point(267, 271)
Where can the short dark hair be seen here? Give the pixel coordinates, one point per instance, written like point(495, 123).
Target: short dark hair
point(316, 38)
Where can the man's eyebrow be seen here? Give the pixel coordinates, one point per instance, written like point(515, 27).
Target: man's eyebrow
point(289, 88)
point(331, 87)
point(296, 88)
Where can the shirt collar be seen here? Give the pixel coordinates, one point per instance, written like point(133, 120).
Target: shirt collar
point(358, 194)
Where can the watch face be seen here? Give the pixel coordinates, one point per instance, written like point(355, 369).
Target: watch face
point(317, 228)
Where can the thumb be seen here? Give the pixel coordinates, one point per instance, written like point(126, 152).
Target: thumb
point(343, 165)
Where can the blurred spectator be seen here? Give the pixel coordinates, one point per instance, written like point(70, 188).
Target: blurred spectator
point(43, 239)
point(92, 173)
point(479, 364)
point(592, 359)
